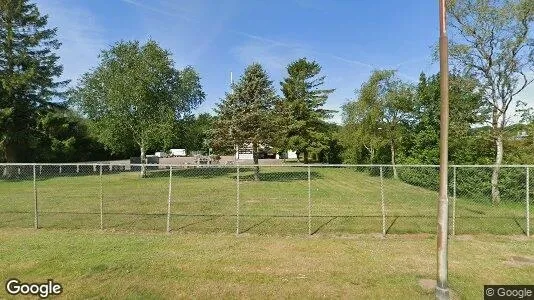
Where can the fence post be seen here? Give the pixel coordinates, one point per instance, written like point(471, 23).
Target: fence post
point(169, 201)
point(528, 203)
point(101, 200)
point(453, 201)
point(77, 168)
point(36, 211)
point(383, 201)
point(237, 204)
point(309, 201)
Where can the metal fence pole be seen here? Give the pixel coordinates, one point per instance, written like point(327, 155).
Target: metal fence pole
point(169, 201)
point(453, 201)
point(528, 203)
point(101, 200)
point(383, 201)
point(309, 201)
point(35, 208)
point(237, 204)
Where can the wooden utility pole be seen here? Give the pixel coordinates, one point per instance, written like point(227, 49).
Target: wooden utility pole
point(442, 287)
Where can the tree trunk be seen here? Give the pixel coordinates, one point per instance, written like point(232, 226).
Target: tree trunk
point(393, 160)
point(143, 162)
point(255, 157)
point(305, 154)
point(11, 157)
point(495, 193)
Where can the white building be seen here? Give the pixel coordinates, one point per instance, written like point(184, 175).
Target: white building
point(245, 153)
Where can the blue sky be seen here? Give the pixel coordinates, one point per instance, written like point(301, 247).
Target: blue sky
point(348, 38)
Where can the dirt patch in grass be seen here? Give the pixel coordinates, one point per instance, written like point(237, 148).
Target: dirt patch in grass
point(464, 237)
point(520, 261)
point(427, 284)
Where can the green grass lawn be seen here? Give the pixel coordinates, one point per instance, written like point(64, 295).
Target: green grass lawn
point(343, 201)
point(144, 265)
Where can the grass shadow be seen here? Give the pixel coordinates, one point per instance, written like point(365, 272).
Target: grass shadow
point(255, 225)
point(197, 222)
point(520, 227)
point(282, 176)
point(478, 212)
point(391, 225)
point(323, 225)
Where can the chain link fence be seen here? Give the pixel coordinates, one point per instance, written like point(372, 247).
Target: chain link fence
point(283, 199)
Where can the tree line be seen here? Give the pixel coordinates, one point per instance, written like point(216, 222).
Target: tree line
point(135, 100)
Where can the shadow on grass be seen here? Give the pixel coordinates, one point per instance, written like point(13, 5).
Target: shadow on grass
point(46, 172)
point(478, 212)
point(520, 226)
point(282, 176)
point(323, 225)
point(211, 218)
point(391, 225)
point(205, 172)
point(255, 225)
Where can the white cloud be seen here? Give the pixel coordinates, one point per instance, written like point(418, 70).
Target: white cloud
point(80, 35)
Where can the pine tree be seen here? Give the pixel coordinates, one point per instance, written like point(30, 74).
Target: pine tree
point(29, 68)
point(246, 115)
point(302, 108)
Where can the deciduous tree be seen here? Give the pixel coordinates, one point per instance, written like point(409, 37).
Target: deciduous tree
point(380, 113)
point(135, 95)
point(491, 40)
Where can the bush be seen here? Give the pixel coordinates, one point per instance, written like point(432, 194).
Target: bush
point(474, 183)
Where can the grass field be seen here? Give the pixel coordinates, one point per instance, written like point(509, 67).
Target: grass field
point(144, 265)
point(273, 257)
point(343, 201)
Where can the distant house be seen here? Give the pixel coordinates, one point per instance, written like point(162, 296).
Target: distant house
point(287, 155)
point(245, 153)
point(521, 135)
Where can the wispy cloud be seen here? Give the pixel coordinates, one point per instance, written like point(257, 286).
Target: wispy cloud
point(274, 56)
point(171, 12)
point(80, 35)
point(194, 15)
point(294, 47)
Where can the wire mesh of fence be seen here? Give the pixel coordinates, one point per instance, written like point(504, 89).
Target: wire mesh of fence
point(263, 199)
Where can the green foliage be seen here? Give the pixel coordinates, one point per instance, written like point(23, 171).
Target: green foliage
point(193, 132)
point(492, 41)
point(135, 96)
point(301, 111)
point(465, 111)
point(471, 183)
point(333, 152)
point(64, 137)
point(246, 115)
point(29, 68)
point(424, 177)
point(379, 116)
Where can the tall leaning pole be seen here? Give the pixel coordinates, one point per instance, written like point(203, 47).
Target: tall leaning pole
point(442, 287)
